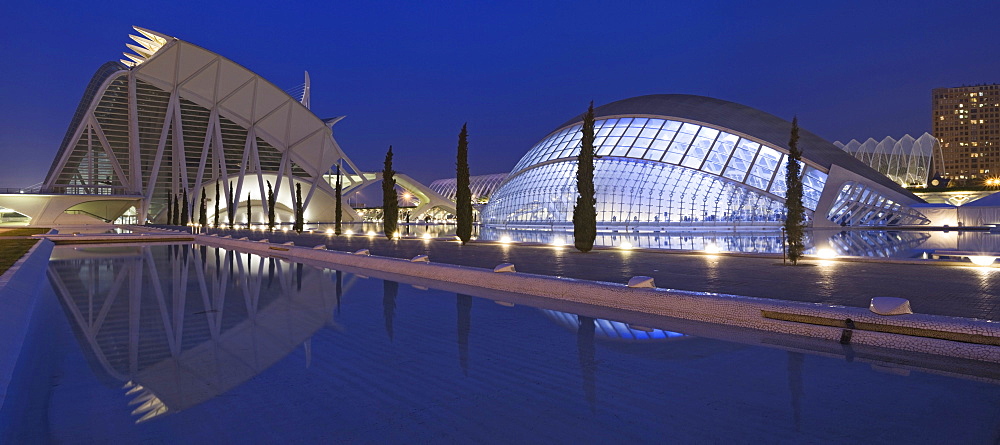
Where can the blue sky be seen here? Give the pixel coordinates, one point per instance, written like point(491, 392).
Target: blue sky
point(411, 73)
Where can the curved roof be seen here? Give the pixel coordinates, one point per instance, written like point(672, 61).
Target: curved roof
point(106, 71)
point(741, 118)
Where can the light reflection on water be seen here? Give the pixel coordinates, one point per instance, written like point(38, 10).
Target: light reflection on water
point(164, 319)
point(863, 243)
point(221, 343)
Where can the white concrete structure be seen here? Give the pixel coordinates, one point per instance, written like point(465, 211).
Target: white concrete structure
point(175, 118)
point(906, 161)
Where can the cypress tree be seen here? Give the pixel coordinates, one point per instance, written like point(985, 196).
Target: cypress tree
point(794, 214)
point(270, 207)
point(585, 211)
point(215, 222)
point(185, 210)
point(339, 208)
point(203, 210)
point(170, 210)
point(390, 204)
point(249, 211)
point(175, 221)
point(299, 211)
point(463, 195)
point(185, 216)
point(231, 207)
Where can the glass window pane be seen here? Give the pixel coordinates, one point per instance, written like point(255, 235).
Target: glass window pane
point(680, 145)
point(719, 154)
point(699, 148)
point(742, 158)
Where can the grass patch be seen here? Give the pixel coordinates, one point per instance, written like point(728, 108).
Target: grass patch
point(12, 250)
point(24, 231)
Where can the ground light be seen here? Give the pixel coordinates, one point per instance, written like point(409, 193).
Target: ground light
point(349, 232)
point(625, 245)
point(558, 242)
point(505, 239)
point(982, 260)
point(426, 236)
point(329, 231)
point(826, 253)
point(371, 233)
point(711, 248)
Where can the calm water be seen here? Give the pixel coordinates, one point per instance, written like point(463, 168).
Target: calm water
point(865, 243)
point(180, 344)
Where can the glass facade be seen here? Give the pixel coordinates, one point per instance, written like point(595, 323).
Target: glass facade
point(481, 186)
point(859, 205)
point(652, 171)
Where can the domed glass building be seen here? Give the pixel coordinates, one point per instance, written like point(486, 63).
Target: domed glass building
point(675, 160)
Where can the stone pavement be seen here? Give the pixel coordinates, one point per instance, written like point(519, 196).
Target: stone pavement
point(962, 291)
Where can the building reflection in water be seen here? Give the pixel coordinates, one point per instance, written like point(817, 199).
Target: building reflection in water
point(464, 307)
point(871, 243)
point(164, 320)
point(390, 289)
point(589, 329)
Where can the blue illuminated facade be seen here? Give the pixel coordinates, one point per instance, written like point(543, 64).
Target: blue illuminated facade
point(679, 160)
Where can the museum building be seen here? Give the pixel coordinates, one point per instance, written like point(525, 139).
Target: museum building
point(674, 160)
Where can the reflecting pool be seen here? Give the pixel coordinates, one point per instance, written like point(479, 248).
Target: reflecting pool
point(855, 242)
point(194, 344)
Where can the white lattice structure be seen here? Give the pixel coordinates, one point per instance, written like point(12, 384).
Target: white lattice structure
point(906, 161)
point(174, 117)
point(481, 186)
point(674, 160)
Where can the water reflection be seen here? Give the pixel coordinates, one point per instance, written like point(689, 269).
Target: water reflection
point(178, 326)
point(588, 359)
point(390, 289)
point(609, 329)
point(464, 306)
point(866, 243)
point(164, 320)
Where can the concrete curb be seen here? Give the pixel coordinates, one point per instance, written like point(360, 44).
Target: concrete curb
point(705, 307)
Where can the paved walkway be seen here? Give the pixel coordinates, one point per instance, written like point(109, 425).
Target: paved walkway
point(931, 288)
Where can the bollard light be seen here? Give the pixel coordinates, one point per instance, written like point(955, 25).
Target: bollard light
point(982, 260)
point(826, 253)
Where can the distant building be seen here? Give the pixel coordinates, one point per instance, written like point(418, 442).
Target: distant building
point(907, 161)
point(967, 123)
point(481, 186)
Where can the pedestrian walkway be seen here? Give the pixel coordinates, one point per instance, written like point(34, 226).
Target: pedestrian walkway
point(972, 291)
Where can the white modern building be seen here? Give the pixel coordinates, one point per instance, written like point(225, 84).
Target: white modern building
point(174, 119)
point(674, 160)
point(908, 161)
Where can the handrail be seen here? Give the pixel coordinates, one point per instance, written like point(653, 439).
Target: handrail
point(84, 212)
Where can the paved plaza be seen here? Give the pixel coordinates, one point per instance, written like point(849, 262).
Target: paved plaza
point(962, 291)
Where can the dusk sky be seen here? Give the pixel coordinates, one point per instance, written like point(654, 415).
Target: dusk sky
point(409, 74)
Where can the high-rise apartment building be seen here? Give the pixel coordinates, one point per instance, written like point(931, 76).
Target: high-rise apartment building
point(967, 122)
